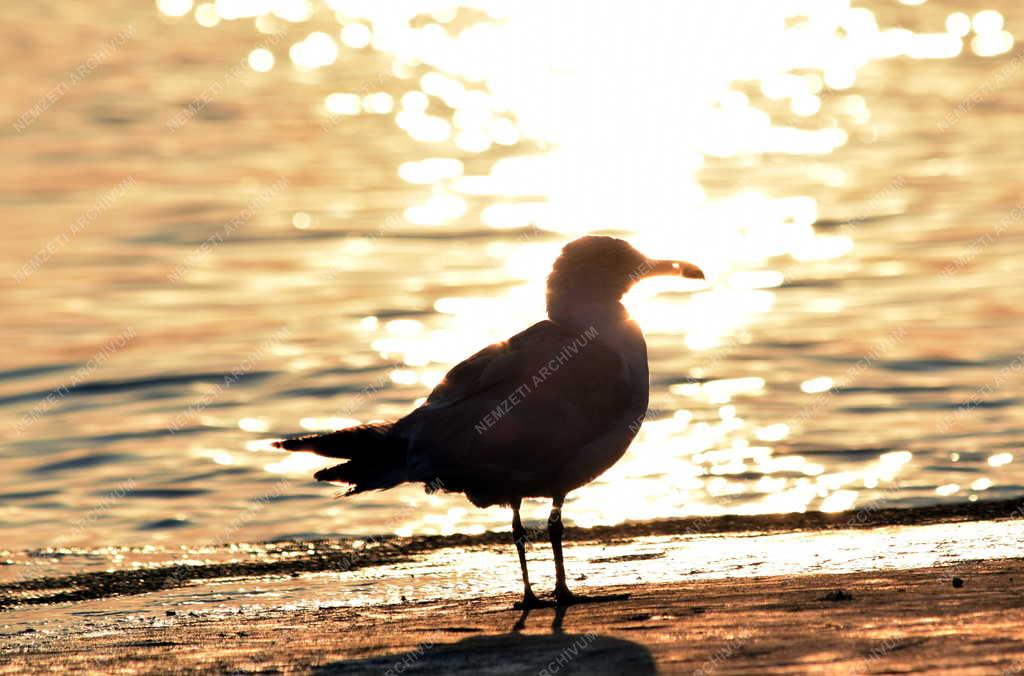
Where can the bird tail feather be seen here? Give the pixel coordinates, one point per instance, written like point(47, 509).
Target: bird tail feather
point(346, 443)
point(376, 457)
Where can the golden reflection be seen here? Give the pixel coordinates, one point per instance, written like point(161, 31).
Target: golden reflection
point(317, 50)
point(341, 103)
point(1000, 459)
point(206, 15)
point(174, 7)
point(355, 35)
point(261, 60)
point(378, 103)
point(294, 464)
point(816, 385)
point(773, 79)
point(987, 21)
point(992, 44)
point(840, 501)
point(776, 432)
point(430, 170)
point(959, 24)
point(253, 425)
point(423, 127)
point(440, 208)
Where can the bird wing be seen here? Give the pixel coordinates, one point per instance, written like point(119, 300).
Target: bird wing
point(518, 410)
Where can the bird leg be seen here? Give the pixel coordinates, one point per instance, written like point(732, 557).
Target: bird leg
point(564, 597)
point(530, 599)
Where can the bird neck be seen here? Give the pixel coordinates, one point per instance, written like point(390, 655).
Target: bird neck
point(584, 313)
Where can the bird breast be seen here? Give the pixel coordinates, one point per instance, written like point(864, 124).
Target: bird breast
point(607, 448)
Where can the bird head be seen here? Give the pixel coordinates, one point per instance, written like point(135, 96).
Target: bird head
point(600, 270)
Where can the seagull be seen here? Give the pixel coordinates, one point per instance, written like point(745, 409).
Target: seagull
point(535, 416)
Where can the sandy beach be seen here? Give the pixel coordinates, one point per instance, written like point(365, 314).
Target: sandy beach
point(962, 618)
point(906, 621)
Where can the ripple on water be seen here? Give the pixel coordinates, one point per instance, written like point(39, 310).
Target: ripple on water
point(166, 493)
point(164, 524)
point(82, 462)
point(27, 495)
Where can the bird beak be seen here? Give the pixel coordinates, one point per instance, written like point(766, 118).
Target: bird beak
point(688, 270)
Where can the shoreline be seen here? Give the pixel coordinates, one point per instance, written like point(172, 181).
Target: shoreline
point(904, 614)
point(884, 621)
point(290, 557)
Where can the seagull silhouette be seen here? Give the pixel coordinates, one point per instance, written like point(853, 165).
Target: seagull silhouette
point(537, 415)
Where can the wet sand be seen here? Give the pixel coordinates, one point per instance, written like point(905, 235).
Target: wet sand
point(295, 557)
point(967, 618)
point(882, 622)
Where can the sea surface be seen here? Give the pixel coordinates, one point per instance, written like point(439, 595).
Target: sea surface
point(234, 221)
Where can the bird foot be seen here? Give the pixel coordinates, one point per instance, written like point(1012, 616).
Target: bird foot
point(530, 602)
point(565, 598)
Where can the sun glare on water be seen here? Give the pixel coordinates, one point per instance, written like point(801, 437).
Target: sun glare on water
point(605, 116)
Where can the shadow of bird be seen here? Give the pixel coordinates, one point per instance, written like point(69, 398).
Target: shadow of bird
point(509, 654)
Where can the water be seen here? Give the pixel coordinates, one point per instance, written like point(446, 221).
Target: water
point(202, 257)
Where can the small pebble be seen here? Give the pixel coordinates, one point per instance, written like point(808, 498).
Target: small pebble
point(838, 595)
point(171, 613)
point(958, 582)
